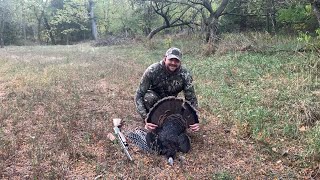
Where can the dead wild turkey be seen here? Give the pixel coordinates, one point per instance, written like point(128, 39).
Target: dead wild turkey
point(173, 116)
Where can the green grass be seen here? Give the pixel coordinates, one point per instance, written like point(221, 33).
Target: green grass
point(222, 176)
point(259, 90)
point(313, 140)
point(262, 93)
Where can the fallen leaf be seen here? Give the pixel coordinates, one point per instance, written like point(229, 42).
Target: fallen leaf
point(302, 129)
point(111, 137)
point(278, 162)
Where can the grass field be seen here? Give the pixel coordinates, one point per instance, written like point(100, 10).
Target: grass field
point(259, 111)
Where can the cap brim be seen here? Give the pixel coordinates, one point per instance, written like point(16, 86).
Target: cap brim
point(172, 56)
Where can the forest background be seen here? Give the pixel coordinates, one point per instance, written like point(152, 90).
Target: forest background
point(27, 22)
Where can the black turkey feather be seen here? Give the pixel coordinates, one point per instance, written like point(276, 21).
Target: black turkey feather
point(172, 105)
point(173, 116)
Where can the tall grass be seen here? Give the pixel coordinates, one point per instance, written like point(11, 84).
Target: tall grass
point(259, 83)
point(264, 93)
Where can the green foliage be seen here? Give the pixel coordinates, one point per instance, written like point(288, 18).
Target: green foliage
point(248, 15)
point(120, 15)
point(24, 21)
point(299, 17)
point(318, 33)
point(222, 176)
point(310, 42)
point(72, 19)
point(257, 91)
point(304, 37)
point(9, 28)
point(168, 42)
point(313, 141)
point(290, 129)
point(297, 13)
point(9, 35)
point(146, 17)
point(124, 17)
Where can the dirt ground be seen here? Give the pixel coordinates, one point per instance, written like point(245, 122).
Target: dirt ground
point(34, 146)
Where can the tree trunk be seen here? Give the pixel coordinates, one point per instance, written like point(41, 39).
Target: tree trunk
point(39, 31)
point(106, 18)
point(23, 24)
point(167, 25)
point(243, 18)
point(146, 31)
point(1, 43)
point(212, 35)
point(1, 33)
point(93, 21)
point(48, 27)
point(214, 31)
point(24, 32)
point(39, 19)
point(212, 23)
point(271, 18)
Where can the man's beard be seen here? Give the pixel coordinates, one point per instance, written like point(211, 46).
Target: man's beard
point(172, 66)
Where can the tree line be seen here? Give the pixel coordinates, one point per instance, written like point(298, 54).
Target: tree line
point(25, 22)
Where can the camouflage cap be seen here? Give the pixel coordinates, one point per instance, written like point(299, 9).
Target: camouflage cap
point(174, 53)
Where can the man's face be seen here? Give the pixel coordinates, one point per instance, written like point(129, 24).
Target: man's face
point(172, 64)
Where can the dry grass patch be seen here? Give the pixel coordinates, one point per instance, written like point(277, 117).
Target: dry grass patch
point(57, 108)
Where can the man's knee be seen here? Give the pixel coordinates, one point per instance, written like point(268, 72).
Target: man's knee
point(150, 98)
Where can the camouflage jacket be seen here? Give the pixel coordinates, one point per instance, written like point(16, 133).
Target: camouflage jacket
point(158, 79)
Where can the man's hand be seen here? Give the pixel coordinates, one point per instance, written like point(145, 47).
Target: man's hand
point(195, 127)
point(150, 126)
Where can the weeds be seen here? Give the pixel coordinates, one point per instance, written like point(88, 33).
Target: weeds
point(257, 91)
point(222, 176)
point(313, 140)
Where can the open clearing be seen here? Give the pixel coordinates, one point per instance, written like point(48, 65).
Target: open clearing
point(57, 106)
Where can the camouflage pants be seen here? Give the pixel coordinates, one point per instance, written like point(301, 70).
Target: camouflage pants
point(150, 98)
